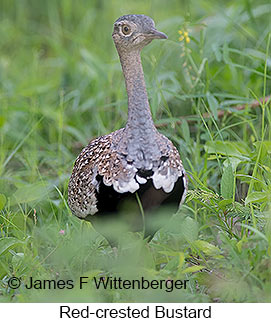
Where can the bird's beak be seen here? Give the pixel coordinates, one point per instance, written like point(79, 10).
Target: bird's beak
point(155, 34)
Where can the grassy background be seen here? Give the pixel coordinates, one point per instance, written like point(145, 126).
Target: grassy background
point(61, 85)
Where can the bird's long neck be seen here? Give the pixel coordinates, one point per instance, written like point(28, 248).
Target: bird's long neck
point(140, 128)
point(138, 104)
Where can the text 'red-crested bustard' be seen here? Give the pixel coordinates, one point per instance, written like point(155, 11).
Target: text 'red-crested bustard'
point(135, 159)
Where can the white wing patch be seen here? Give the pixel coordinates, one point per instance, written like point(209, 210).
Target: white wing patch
point(141, 180)
point(123, 186)
point(163, 177)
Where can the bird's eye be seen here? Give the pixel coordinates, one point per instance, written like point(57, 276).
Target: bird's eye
point(126, 30)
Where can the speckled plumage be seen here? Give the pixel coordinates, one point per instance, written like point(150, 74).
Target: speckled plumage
point(136, 158)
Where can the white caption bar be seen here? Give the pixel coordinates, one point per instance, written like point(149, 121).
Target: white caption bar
point(100, 312)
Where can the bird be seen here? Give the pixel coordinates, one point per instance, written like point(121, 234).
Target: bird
point(135, 163)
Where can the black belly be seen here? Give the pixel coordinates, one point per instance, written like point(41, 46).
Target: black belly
point(116, 210)
point(110, 201)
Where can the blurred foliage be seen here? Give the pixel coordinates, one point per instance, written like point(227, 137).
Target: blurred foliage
point(61, 85)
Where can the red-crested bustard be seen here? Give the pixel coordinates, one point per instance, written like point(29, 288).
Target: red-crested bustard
point(134, 159)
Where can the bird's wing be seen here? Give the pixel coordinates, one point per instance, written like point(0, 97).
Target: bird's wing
point(166, 171)
point(99, 158)
point(169, 171)
point(83, 185)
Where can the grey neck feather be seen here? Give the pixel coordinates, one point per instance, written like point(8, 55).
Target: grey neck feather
point(141, 133)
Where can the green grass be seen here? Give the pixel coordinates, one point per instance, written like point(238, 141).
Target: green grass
point(61, 85)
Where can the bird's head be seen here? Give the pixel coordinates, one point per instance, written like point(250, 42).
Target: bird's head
point(133, 32)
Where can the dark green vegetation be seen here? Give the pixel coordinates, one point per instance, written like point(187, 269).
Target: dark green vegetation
point(61, 85)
